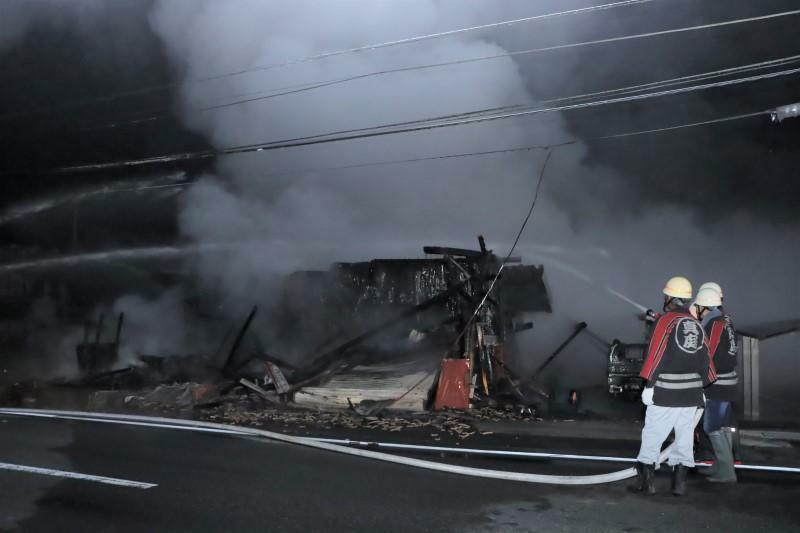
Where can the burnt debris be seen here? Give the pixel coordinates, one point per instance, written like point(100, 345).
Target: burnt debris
point(432, 333)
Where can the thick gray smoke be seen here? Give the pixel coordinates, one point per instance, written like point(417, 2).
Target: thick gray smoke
point(309, 219)
point(588, 230)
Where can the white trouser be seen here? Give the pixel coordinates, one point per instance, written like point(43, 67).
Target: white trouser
point(658, 423)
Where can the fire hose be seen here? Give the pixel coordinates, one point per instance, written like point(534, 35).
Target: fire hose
point(173, 423)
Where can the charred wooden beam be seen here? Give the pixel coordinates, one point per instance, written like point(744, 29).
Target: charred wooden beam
point(580, 327)
point(519, 328)
point(258, 390)
point(238, 340)
point(457, 252)
point(463, 252)
point(99, 331)
point(482, 244)
point(321, 363)
point(119, 329)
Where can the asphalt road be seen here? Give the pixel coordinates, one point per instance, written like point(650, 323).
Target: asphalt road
point(208, 482)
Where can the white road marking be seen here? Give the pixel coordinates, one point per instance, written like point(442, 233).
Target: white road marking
point(76, 475)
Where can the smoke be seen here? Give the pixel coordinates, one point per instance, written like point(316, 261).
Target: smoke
point(168, 331)
point(304, 219)
point(308, 219)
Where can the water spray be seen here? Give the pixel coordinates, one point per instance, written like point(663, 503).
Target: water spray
point(176, 183)
point(124, 254)
point(588, 279)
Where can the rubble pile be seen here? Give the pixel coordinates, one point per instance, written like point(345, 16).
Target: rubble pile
point(438, 425)
point(493, 414)
point(373, 339)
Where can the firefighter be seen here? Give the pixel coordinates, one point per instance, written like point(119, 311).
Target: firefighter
point(675, 370)
point(721, 342)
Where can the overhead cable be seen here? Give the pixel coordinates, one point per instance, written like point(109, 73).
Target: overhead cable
point(337, 81)
point(352, 134)
point(418, 38)
point(376, 131)
point(327, 83)
point(528, 148)
point(690, 125)
point(428, 37)
point(620, 90)
point(682, 79)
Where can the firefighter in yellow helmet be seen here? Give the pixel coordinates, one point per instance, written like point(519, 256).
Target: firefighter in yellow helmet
point(675, 370)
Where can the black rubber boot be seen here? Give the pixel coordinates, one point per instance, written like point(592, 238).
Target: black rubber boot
point(638, 483)
point(679, 480)
point(645, 479)
point(708, 470)
point(723, 449)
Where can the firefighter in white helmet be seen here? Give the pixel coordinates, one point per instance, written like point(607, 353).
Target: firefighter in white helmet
point(675, 370)
point(713, 286)
point(717, 420)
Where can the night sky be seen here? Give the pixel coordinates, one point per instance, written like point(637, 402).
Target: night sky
point(747, 165)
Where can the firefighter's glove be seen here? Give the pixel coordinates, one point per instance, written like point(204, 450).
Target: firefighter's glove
point(650, 315)
point(647, 396)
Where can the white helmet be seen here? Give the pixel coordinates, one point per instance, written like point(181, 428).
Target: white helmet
point(708, 297)
point(678, 287)
point(713, 286)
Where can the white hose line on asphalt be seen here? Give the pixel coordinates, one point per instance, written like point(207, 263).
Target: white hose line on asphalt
point(343, 442)
point(380, 456)
point(75, 415)
point(75, 475)
point(475, 451)
point(207, 427)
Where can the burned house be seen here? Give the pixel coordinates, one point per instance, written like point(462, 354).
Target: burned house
point(434, 332)
point(438, 331)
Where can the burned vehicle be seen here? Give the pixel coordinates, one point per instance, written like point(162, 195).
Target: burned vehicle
point(625, 362)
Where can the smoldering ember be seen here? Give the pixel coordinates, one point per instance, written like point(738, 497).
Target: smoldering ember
point(399, 265)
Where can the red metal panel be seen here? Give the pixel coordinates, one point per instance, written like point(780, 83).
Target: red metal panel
point(453, 389)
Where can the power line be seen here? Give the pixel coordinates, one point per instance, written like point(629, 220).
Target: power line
point(505, 261)
point(456, 155)
point(388, 129)
point(430, 36)
point(336, 81)
point(620, 90)
point(421, 159)
point(284, 91)
point(344, 135)
point(528, 148)
point(145, 90)
point(327, 83)
point(456, 115)
point(783, 61)
point(521, 229)
point(690, 125)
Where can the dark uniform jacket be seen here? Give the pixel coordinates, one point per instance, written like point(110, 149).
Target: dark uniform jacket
point(677, 362)
point(722, 348)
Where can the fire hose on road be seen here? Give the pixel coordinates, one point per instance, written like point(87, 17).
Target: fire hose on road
point(171, 423)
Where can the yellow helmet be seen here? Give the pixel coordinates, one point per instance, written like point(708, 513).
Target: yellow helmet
point(678, 287)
